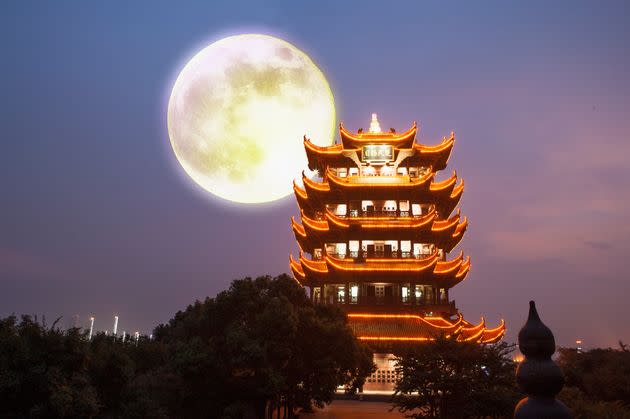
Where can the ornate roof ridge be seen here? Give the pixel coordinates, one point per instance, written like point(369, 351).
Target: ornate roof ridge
point(371, 136)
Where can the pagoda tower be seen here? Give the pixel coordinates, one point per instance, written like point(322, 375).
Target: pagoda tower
point(376, 235)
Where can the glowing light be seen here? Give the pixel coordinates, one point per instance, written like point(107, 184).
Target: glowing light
point(344, 182)
point(395, 338)
point(348, 138)
point(237, 111)
point(445, 184)
point(374, 125)
point(445, 144)
point(91, 328)
point(428, 319)
point(398, 182)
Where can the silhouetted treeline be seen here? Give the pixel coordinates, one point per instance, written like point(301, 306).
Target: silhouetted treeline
point(449, 379)
point(259, 347)
point(597, 382)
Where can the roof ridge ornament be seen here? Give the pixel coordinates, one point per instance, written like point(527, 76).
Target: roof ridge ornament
point(375, 127)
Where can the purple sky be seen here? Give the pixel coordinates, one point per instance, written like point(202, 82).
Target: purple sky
point(98, 218)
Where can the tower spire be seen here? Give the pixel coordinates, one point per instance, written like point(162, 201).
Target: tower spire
point(374, 125)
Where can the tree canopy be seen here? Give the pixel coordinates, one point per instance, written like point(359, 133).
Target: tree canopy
point(449, 379)
point(597, 382)
point(258, 345)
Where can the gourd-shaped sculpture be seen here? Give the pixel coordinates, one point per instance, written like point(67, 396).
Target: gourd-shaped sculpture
point(538, 376)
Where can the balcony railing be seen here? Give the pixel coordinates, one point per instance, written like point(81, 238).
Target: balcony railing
point(354, 254)
point(391, 214)
point(389, 301)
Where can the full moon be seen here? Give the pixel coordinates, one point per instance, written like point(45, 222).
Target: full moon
point(238, 112)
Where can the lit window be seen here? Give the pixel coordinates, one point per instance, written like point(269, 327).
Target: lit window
point(368, 171)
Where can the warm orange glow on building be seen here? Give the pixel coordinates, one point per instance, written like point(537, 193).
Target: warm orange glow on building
point(376, 232)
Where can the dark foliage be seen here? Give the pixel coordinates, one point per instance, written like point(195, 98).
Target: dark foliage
point(449, 379)
point(597, 382)
point(259, 345)
point(44, 373)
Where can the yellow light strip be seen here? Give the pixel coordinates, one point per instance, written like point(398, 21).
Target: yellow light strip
point(314, 224)
point(427, 263)
point(385, 135)
point(313, 265)
point(425, 220)
point(472, 329)
point(395, 338)
point(299, 190)
point(450, 266)
point(332, 149)
point(413, 183)
point(422, 219)
point(405, 316)
point(324, 187)
point(476, 336)
point(336, 220)
point(464, 269)
point(461, 226)
point(445, 184)
point(446, 224)
point(298, 228)
point(500, 327)
point(446, 143)
point(498, 332)
point(296, 267)
point(458, 189)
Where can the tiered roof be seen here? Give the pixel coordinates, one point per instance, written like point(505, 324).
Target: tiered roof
point(406, 151)
point(429, 270)
point(415, 328)
point(320, 225)
point(445, 195)
point(445, 234)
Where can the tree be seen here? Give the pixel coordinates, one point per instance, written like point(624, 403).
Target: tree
point(261, 343)
point(597, 381)
point(449, 379)
point(602, 374)
point(44, 371)
point(583, 407)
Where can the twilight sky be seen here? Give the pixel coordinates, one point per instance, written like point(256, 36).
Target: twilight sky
point(98, 218)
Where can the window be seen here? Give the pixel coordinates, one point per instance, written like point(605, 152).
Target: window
point(368, 171)
point(341, 294)
point(404, 294)
point(317, 294)
point(354, 294)
point(419, 293)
